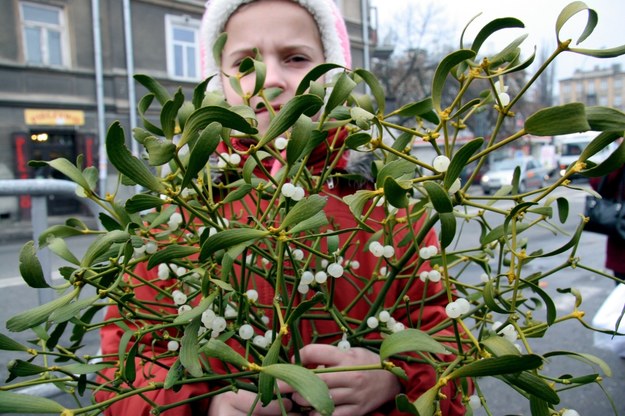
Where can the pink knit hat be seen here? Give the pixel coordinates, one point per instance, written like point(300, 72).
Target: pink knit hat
point(334, 37)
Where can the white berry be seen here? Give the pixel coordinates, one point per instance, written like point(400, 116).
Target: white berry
point(281, 143)
point(246, 331)
point(453, 310)
point(321, 277)
point(372, 322)
point(344, 345)
point(307, 278)
point(252, 295)
point(335, 270)
point(376, 249)
point(179, 297)
point(388, 251)
point(441, 163)
point(173, 345)
point(384, 316)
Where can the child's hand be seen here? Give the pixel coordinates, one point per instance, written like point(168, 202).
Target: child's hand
point(353, 392)
point(240, 403)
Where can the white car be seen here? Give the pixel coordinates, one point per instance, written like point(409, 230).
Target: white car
point(532, 174)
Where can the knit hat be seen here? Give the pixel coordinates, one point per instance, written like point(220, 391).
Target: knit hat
point(334, 37)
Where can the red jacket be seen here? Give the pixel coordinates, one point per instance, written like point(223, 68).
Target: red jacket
point(420, 376)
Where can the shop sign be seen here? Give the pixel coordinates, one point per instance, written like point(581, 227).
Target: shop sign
point(54, 117)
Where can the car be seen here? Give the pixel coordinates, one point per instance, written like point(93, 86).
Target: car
point(532, 174)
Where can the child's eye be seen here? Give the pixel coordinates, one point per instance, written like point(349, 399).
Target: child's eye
point(297, 58)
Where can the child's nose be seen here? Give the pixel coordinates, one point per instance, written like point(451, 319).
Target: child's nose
point(275, 76)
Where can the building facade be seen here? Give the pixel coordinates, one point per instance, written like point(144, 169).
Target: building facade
point(66, 68)
point(600, 86)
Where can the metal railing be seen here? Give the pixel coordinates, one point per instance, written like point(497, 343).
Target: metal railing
point(39, 190)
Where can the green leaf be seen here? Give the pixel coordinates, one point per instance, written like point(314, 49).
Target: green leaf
point(439, 197)
point(443, 70)
point(229, 238)
point(395, 193)
point(583, 357)
point(30, 267)
point(24, 404)
point(222, 351)
point(374, 86)
point(492, 27)
point(357, 202)
point(500, 346)
point(395, 169)
point(315, 222)
point(569, 11)
point(189, 350)
point(175, 373)
point(303, 210)
point(549, 305)
point(302, 104)
point(199, 92)
point(424, 405)
point(305, 382)
point(265, 381)
point(39, 314)
point(143, 107)
point(72, 309)
point(505, 364)
point(404, 404)
point(539, 407)
point(460, 159)
point(611, 163)
point(171, 252)
point(160, 92)
point(68, 169)
point(204, 146)
point(533, 385)
point(563, 209)
point(169, 114)
point(501, 231)
point(410, 340)
point(237, 194)
point(204, 116)
point(59, 247)
point(142, 202)
point(423, 109)
point(218, 47)
point(86, 368)
point(553, 121)
point(304, 307)
point(101, 246)
point(313, 75)
point(300, 136)
point(126, 163)
point(160, 151)
point(9, 344)
point(448, 228)
point(605, 118)
point(354, 141)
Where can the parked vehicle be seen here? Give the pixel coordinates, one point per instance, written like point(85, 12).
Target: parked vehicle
point(532, 174)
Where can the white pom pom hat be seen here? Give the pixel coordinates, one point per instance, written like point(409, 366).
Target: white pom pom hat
point(334, 36)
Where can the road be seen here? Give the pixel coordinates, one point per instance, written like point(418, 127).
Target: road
point(501, 399)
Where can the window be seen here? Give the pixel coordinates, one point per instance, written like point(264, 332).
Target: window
point(182, 47)
point(44, 34)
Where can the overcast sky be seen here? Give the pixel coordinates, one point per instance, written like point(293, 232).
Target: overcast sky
point(539, 17)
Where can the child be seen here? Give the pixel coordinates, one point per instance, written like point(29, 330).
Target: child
point(294, 36)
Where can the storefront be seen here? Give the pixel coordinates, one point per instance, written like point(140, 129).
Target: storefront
point(52, 133)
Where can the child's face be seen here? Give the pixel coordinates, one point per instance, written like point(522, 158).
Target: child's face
point(288, 39)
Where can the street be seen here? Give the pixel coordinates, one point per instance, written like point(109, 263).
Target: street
point(589, 400)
